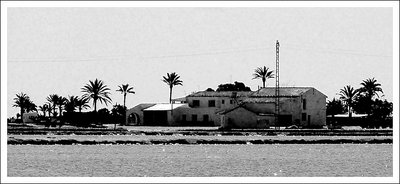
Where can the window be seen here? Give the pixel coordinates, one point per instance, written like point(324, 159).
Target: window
point(304, 104)
point(223, 101)
point(184, 117)
point(231, 101)
point(196, 103)
point(194, 117)
point(205, 117)
point(211, 103)
point(303, 117)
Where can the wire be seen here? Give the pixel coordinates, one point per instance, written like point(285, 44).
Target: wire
point(108, 58)
point(335, 51)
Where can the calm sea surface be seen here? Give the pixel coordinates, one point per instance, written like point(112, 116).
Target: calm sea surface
point(200, 160)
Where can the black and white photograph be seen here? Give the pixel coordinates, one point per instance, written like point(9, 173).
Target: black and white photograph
point(200, 92)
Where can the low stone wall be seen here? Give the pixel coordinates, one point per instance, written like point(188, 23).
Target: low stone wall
point(13, 141)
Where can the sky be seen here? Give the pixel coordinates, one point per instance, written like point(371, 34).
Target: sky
point(58, 50)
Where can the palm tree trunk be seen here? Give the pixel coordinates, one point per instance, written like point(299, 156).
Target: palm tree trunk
point(54, 110)
point(95, 106)
point(350, 112)
point(170, 94)
point(263, 80)
point(60, 108)
point(124, 123)
point(22, 115)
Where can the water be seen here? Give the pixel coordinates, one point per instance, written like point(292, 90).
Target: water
point(200, 160)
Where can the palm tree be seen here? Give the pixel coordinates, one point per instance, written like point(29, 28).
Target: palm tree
point(348, 95)
point(53, 100)
point(44, 109)
point(370, 88)
point(172, 80)
point(61, 102)
point(21, 102)
point(125, 89)
point(71, 103)
point(82, 103)
point(30, 106)
point(263, 74)
point(49, 108)
point(96, 90)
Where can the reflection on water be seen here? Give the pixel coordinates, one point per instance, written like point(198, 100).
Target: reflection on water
point(200, 160)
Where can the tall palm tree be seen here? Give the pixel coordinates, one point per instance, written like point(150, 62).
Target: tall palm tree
point(172, 80)
point(370, 88)
point(125, 89)
point(97, 91)
point(348, 95)
point(53, 100)
point(21, 102)
point(263, 74)
point(82, 103)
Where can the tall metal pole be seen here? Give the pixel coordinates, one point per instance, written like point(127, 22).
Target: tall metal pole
point(277, 87)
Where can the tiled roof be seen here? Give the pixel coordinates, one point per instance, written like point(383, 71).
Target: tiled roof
point(259, 100)
point(221, 94)
point(283, 91)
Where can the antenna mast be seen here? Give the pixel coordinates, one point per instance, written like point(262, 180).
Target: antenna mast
point(277, 87)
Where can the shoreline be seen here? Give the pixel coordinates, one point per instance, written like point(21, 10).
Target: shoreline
point(198, 141)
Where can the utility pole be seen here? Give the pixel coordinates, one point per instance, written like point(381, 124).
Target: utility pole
point(277, 87)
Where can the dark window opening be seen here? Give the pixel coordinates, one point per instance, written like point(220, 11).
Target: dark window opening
point(196, 103)
point(304, 104)
point(205, 118)
point(211, 103)
point(303, 117)
point(231, 101)
point(194, 117)
point(223, 101)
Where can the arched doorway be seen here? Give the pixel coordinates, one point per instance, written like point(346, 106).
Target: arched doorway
point(133, 119)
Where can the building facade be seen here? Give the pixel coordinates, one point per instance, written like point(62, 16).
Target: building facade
point(301, 106)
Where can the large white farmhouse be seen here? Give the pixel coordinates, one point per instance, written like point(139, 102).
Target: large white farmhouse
point(301, 106)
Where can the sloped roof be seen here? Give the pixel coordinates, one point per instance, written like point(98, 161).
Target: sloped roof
point(164, 107)
point(283, 91)
point(234, 108)
point(221, 94)
point(142, 106)
point(244, 107)
point(179, 99)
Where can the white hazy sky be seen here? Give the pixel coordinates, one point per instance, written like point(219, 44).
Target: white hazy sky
point(58, 50)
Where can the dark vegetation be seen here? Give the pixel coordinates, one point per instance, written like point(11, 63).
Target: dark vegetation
point(236, 86)
point(364, 100)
